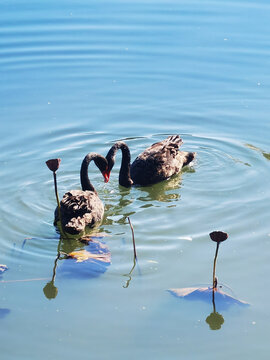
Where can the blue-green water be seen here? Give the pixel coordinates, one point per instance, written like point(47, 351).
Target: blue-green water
point(75, 76)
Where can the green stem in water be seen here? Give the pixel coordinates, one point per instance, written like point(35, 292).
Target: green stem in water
point(214, 268)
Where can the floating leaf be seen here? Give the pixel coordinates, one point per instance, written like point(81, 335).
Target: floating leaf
point(53, 164)
point(84, 255)
point(206, 294)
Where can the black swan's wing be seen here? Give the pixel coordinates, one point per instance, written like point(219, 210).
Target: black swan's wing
point(160, 161)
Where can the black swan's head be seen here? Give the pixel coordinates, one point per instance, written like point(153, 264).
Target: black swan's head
point(102, 163)
point(112, 154)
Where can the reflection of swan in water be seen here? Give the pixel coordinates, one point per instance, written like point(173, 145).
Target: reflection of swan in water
point(158, 162)
point(165, 191)
point(114, 212)
point(81, 208)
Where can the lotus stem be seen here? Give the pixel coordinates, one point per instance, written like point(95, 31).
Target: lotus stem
point(214, 267)
point(55, 189)
point(53, 165)
point(56, 195)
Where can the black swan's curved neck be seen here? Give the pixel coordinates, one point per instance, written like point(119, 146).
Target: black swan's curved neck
point(124, 174)
point(85, 181)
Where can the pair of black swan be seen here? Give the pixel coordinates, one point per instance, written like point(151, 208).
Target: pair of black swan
point(81, 208)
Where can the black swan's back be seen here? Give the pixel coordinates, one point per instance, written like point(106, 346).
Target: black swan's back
point(160, 161)
point(80, 209)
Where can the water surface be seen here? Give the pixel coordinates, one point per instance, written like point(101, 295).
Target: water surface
point(76, 77)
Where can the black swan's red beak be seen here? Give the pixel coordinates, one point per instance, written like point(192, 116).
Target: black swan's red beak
point(106, 175)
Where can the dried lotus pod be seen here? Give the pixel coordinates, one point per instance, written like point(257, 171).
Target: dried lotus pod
point(218, 236)
point(53, 164)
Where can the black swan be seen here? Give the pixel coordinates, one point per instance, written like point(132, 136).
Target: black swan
point(81, 208)
point(158, 162)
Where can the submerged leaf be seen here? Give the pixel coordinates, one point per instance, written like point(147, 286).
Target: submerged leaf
point(84, 255)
